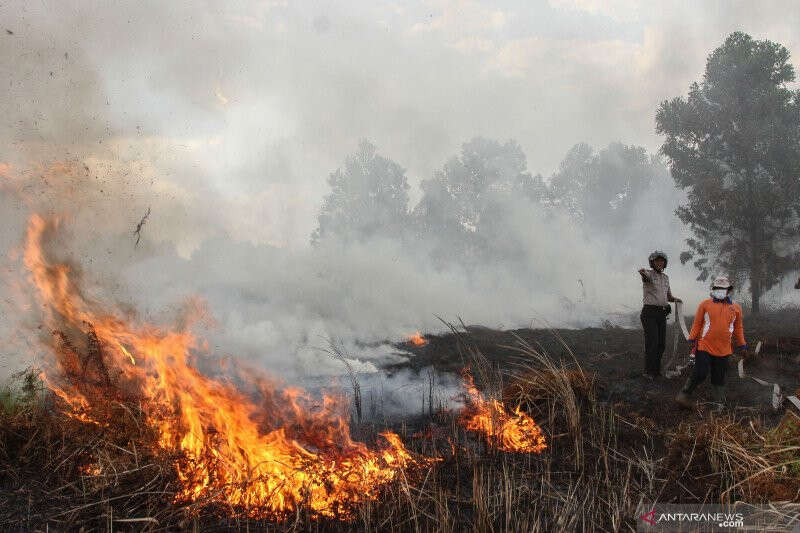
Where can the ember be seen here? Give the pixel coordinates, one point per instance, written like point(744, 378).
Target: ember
point(233, 448)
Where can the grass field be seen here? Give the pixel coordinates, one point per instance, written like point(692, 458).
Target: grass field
point(614, 442)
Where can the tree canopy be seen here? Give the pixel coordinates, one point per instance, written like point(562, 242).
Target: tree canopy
point(600, 189)
point(734, 146)
point(369, 197)
point(463, 201)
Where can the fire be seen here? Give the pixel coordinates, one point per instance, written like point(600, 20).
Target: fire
point(251, 447)
point(91, 470)
point(417, 339)
point(511, 432)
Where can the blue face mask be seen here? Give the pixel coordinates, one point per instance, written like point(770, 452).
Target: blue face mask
point(719, 294)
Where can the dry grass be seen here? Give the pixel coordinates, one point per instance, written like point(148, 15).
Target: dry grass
point(60, 474)
point(738, 459)
point(64, 474)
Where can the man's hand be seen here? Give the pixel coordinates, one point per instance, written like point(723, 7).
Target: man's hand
point(643, 273)
point(743, 350)
point(677, 300)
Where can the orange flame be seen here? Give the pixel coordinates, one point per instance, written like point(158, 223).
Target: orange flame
point(417, 339)
point(510, 432)
point(90, 470)
point(267, 456)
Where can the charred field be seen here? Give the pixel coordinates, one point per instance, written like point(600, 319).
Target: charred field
point(613, 441)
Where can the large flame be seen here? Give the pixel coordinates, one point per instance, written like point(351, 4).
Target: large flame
point(265, 451)
point(510, 431)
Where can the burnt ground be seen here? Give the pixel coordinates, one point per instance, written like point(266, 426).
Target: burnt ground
point(614, 355)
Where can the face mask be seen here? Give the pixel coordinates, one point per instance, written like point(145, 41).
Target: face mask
point(719, 294)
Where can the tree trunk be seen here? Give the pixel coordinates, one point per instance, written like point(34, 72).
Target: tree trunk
point(755, 279)
point(755, 292)
point(756, 265)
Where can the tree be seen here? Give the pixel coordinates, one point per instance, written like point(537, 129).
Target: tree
point(734, 145)
point(600, 190)
point(464, 198)
point(570, 185)
point(368, 198)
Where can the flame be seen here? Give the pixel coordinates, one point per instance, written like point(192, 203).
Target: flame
point(417, 339)
point(510, 432)
point(264, 451)
point(91, 470)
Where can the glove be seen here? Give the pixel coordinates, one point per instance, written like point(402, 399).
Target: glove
point(742, 348)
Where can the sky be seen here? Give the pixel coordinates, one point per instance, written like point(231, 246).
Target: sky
point(226, 119)
point(257, 102)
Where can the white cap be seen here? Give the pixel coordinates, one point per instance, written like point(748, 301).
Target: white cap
point(722, 282)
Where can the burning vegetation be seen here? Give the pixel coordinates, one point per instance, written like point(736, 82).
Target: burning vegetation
point(265, 450)
point(128, 433)
point(417, 339)
point(235, 442)
point(512, 431)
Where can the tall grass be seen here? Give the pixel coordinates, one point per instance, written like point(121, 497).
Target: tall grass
point(600, 465)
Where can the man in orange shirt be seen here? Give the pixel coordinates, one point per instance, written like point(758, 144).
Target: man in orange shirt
point(718, 321)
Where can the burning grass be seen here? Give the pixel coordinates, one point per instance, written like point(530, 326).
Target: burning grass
point(124, 433)
point(258, 450)
point(509, 430)
point(64, 473)
point(60, 472)
point(417, 339)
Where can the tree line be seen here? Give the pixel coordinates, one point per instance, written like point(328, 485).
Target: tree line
point(732, 145)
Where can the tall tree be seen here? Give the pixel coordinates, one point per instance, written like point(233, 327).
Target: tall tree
point(734, 146)
point(570, 185)
point(461, 201)
point(601, 189)
point(368, 197)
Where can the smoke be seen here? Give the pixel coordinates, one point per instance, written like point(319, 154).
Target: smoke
point(281, 306)
point(225, 120)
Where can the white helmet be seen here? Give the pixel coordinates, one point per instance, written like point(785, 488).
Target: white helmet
point(722, 282)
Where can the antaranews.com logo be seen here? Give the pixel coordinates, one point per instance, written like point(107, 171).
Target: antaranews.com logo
point(734, 517)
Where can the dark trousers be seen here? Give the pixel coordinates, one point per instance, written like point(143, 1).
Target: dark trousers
point(704, 364)
point(654, 322)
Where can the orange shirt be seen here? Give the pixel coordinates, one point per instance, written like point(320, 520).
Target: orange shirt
point(714, 324)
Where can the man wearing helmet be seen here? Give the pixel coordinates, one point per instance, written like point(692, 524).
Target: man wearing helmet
point(656, 298)
point(718, 321)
